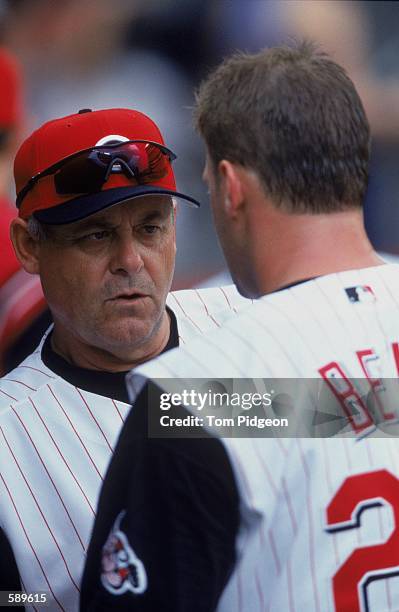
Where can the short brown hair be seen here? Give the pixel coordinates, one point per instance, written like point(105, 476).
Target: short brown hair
point(292, 115)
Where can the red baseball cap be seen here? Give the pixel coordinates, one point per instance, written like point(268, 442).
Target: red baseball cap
point(11, 90)
point(61, 138)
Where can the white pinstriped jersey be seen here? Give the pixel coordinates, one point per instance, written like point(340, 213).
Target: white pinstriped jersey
point(319, 517)
point(55, 444)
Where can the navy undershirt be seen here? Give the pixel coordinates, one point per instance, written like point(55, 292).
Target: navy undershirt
point(107, 384)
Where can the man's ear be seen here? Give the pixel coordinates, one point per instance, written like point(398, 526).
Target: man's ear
point(231, 182)
point(25, 246)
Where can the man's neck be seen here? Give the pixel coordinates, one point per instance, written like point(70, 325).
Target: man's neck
point(306, 246)
point(119, 359)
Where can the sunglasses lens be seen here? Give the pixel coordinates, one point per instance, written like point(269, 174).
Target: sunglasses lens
point(80, 175)
point(86, 173)
point(158, 165)
point(135, 155)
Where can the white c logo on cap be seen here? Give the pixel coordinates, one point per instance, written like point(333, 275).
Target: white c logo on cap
point(111, 138)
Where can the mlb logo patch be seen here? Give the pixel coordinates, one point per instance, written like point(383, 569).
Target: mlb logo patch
point(360, 293)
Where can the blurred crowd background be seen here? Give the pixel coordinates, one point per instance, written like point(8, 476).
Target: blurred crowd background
point(151, 54)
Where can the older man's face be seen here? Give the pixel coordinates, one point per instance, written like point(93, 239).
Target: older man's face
point(106, 277)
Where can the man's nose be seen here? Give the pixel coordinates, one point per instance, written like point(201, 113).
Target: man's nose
point(126, 256)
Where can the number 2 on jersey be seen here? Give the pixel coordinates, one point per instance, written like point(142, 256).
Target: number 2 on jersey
point(369, 563)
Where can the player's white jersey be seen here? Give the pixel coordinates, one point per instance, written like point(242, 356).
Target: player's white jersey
point(55, 444)
point(319, 517)
point(320, 525)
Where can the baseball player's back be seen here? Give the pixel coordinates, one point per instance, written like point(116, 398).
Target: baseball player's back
point(323, 503)
point(318, 517)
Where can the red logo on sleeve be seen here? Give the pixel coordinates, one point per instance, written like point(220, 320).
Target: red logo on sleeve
point(122, 570)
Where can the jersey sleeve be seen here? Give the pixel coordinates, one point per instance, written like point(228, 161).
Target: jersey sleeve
point(9, 575)
point(168, 517)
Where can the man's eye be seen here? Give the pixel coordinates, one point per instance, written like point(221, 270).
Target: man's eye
point(150, 229)
point(97, 235)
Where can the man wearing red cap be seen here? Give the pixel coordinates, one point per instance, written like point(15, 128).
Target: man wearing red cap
point(95, 194)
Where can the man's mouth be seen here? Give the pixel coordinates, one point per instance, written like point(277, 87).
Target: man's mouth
point(129, 296)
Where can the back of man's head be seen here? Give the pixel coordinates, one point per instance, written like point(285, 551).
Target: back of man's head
point(293, 116)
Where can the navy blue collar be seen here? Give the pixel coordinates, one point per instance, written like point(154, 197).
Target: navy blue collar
point(108, 384)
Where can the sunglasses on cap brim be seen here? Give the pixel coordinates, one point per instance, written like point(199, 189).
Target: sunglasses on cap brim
point(86, 171)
